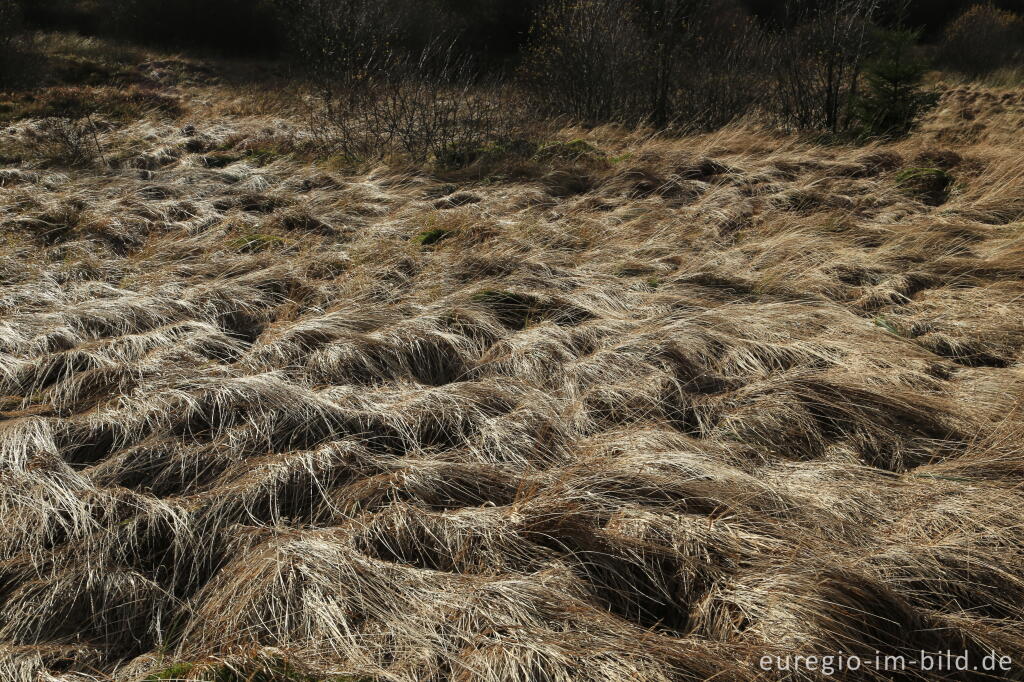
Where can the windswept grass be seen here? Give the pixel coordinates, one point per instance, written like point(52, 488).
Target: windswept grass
point(651, 411)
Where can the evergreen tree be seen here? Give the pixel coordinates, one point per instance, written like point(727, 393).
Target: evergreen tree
point(893, 100)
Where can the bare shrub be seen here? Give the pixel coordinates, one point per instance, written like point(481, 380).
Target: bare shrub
point(583, 57)
point(67, 137)
point(818, 62)
point(983, 39)
point(444, 117)
point(335, 41)
point(388, 80)
point(430, 109)
point(722, 79)
point(666, 62)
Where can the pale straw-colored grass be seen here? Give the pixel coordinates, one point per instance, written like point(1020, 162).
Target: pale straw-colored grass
point(647, 418)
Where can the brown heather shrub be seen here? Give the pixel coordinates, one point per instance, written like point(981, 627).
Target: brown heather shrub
point(982, 39)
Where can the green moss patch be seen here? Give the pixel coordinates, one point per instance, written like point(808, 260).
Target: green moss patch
point(929, 185)
point(256, 242)
point(428, 237)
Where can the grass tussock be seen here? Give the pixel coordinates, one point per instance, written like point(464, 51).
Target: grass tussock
point(619, 407)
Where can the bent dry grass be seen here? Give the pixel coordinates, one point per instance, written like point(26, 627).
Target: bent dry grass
point(651, 418)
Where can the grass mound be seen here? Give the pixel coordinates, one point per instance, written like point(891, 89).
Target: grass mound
point(930, 185)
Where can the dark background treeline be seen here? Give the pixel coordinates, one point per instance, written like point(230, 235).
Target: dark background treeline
point(931, 16)
point(495, 30)
point(454, 81)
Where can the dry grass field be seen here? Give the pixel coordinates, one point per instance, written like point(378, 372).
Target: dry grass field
point(633, 408)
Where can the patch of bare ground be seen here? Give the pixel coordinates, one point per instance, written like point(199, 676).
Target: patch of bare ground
point(652, 418)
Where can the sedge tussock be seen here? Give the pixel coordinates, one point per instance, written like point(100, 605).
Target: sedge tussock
point(651, 415)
